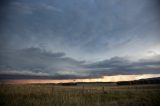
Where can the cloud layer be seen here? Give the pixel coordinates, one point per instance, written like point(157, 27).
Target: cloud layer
point(82, 29)
point(38, 63)
point(79, 38)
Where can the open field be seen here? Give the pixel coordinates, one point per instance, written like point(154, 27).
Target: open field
point(80, 95)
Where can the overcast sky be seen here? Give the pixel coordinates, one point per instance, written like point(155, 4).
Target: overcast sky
point(79, 38)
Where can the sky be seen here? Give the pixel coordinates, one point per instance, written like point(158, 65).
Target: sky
point(79, 39)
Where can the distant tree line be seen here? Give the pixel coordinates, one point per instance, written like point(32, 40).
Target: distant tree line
point(68, 84)
point(136, 82)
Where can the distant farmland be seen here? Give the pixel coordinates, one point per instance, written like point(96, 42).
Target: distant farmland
point(79, 95)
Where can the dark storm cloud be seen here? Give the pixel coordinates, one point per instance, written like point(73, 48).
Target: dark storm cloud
point(3, 3)
point(34, 63)
point(118, 65)
point(56, 77)
point(78, 27)
point(52, 37)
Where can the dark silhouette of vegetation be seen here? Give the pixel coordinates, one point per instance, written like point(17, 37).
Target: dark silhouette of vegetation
point(140, 82)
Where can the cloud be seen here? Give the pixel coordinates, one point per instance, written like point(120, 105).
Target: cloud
point(39, 63)
point(119, 65)
point(78, 27)
point(51, 37)
point(51, 7)
point(20, 8)
point(23, 72)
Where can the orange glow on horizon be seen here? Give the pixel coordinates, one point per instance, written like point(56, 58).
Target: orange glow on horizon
point(115, 78)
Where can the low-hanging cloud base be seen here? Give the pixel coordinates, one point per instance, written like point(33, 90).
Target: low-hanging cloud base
point(35, 63)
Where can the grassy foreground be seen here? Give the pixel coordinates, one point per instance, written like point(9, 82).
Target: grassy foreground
point(49, 95)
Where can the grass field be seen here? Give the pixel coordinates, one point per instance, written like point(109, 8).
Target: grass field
point(81, 95)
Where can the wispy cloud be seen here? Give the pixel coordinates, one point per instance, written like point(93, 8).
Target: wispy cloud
point(51, 7)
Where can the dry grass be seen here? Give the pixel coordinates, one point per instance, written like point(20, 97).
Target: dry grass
point(49, 95)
